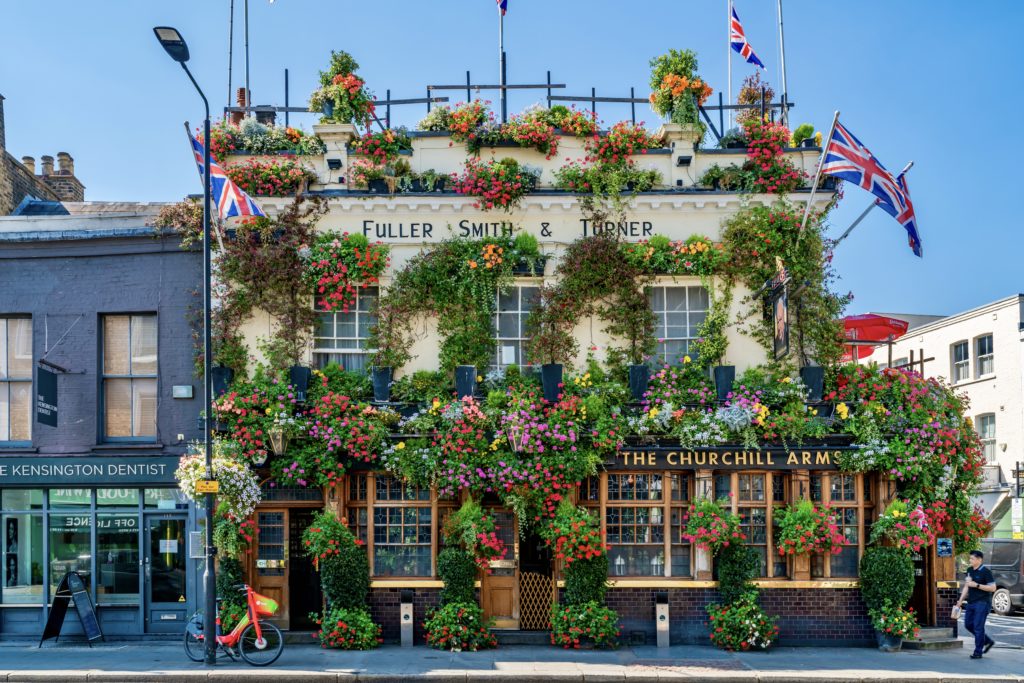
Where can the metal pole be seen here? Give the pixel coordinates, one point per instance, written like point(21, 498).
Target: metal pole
point(632, 105)
point(501, 65)
point(817, 174)
point(286, 98)
point(469, 92)
point(387, 113)
point(209, 572)
point(549, 89)
point(231, 48)
point(248, 97)
point(782, 56)
point(728, 52)
point(593, 102)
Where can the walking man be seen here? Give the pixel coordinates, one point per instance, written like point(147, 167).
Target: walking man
point(978, 589)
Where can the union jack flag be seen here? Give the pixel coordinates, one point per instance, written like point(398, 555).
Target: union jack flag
point(846, 157)
point(503, 6)
point(231, 200)
point(738, 39)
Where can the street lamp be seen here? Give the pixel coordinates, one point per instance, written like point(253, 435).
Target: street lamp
point(172, 41)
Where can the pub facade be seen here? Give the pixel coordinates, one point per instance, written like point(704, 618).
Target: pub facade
point(641, 492)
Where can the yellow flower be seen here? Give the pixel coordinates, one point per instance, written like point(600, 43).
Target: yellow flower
point(479, 378)
point(785, 380)
point(269, 411)
point(843, 411)
point(653, 413)
point(686, 359)
point(400, 445)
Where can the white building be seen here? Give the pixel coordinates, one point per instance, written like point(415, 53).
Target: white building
point(981, 353)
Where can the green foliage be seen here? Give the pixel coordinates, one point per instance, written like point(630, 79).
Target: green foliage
point(886, 574)
point(589, 622)
point(347, 629)
point(457, 281)
point(228, 539)
point(677, 90)
point(757, 238)
point(422, 386)
point(697, 255)
point(738, 565)
point(229, 575)
point(341, 559)
point(893, 619)
point(458, 571)
point(586, 580)
point(712, 339)
point(741, 625)
point(594, 279)
point(342, 63)
point(457, 627)
point(355, 384)
point(802, 132)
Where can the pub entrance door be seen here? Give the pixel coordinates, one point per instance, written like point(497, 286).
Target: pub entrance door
point(281, 570)
point(519, 591)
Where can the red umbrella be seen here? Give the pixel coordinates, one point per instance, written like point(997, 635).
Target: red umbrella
point(871, 327)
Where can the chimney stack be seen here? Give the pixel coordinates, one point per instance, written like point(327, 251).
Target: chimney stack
point(65, 163)
point(243, 101)
point(47, 164)
point(30, 164)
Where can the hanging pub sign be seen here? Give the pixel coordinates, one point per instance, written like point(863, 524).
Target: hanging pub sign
point(726, 458)
point(778, 302)
point(46, 396)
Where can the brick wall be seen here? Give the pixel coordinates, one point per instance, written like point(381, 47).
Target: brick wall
point(945, 598)
point(384, 605)
point(833, 616)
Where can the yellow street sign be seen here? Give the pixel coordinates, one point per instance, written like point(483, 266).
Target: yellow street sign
point(207, 486)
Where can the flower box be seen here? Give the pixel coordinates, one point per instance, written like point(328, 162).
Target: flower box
point(525, 268)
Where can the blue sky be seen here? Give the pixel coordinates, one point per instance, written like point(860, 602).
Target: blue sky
point(928, 80)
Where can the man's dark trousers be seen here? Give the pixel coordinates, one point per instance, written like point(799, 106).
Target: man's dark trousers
point(975, 614)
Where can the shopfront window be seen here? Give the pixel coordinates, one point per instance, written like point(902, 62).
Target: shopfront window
point(644, 517)
point(755, 496)
point(70, 546)
point(21, 574)
point(849, 497)
point(164, 499)
point(117, 557)
point(402, 528)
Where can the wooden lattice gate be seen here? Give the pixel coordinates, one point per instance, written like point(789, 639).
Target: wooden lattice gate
point(536, 592)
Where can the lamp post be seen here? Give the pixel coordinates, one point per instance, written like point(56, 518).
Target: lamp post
point(175, 46)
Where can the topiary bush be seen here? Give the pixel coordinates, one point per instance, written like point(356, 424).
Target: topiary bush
point(886, 574)
point(586, 581)
point(737, 565)
point(346, 578)
point(458, 571)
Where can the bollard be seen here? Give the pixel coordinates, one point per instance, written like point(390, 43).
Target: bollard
point(661, 617)
point(406, 618)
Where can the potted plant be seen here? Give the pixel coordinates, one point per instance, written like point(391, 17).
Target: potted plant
point(367, 174)
point(429, 181)
point(813, 377)
point(465, 380)
point(342, 95)
point(893, 624)
point(803, 132)
point(298, 377)
point(529, 261)
point(381, 377)
point(734, 138)
point(725, 375)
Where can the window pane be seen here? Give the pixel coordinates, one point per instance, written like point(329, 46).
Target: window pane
point(845, 563)
point(21, 499)
point(70, 498)
point(165, 499)
point(115, 345)
point(117, 498)
point(144, 333)
point(21, 411)
point(21, 575)
point(70, 547)
point(117, 559)
point(144, 407)
point(19, 347)
point(117, 407)
point(4, 360)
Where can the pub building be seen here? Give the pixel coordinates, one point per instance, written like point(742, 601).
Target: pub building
point(97, 403)
point(640, 495)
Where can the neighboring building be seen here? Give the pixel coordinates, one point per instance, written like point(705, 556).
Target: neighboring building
point(19, 183)
point(104, 304)
point(980, 352)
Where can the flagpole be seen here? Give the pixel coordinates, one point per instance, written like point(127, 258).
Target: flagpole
point(728, 54)
point(501, 64)
point(866, 212)
point(817, 174)
point(206, 157)
point(782, 56)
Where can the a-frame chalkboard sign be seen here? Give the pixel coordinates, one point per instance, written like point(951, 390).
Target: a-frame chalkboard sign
point(72, 586)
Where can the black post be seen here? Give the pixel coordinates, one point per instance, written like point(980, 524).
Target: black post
point(593, 102)
point(428, 99)
point(549, 89)
point(387, 114)
point(286, 98)
point(762, 104)
point(209, 572)
point(469, 94)
point(632, 105)
point(504, 91)
point(721, 113)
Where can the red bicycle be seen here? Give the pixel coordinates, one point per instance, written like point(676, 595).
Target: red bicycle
point(258, 643)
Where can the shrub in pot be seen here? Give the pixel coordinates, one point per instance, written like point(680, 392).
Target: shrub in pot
point(886, 574)
point(457, 569)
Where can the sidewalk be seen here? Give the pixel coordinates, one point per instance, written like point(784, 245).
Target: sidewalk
point(142, 662)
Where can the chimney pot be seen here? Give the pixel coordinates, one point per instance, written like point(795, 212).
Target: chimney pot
point(47, 164)
point(65, 163)
point(30, 164)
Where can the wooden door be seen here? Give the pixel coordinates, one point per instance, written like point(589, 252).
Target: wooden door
point(499, 590)
point(270, 575)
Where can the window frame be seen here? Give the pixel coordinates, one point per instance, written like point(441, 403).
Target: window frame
point(324, 356)
point(661, 316)
point(987, 441)
point(521, 316)
point(770, 502)
point(101, 404)
point(863, 502)
point(964, 364)
point(981, 358)
point(6, 381)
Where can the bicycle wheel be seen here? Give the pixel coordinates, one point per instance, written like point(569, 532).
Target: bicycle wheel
point(194, 643)
point(261, 653)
